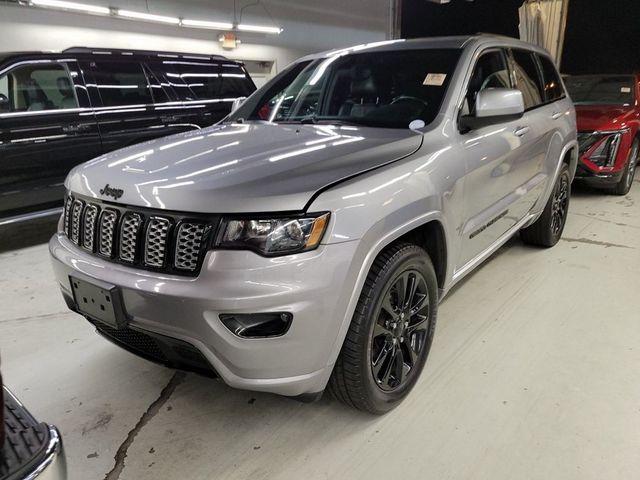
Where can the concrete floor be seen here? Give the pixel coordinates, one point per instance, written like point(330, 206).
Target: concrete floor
point(534, 374)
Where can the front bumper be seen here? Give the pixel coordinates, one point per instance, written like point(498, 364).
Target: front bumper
point(31, 450)
point(597, 179)
point(315, 287)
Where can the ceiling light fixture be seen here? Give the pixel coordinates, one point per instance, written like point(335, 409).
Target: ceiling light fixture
point(258, 28)
point(80, 7)
point(205, 24)
point(147, 16)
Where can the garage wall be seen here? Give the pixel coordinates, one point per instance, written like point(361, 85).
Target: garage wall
point(29, 29)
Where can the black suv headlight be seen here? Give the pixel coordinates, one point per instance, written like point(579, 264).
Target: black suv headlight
point(273, 236)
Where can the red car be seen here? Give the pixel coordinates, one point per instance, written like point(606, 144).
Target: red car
point(608, 111)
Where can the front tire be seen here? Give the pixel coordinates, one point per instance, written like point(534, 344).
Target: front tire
point(624, 185)
point(547, 230)
point(391, 332)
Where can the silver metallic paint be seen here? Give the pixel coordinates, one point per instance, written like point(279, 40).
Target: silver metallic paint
point(396, 180)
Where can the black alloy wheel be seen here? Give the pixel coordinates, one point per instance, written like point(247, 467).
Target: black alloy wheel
point(547, 229)
point(391, 331)
point(400, 332)
point(560, 205)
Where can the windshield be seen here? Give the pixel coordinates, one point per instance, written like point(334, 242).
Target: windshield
point(600, 89)
point(381, 89)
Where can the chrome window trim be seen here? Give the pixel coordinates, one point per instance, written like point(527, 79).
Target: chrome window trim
point(115, 108)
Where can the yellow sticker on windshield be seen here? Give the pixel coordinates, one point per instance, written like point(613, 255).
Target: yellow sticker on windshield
point(435, 79)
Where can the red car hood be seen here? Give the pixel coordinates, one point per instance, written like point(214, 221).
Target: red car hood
point(603, 117)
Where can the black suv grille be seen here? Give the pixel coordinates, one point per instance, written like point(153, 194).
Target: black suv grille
point(145, 238)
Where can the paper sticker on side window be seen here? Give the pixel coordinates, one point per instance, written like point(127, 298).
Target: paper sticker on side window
point(435, 79)
point(625, 90)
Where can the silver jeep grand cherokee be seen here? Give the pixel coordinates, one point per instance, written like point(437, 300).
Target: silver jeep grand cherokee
point(305, 241)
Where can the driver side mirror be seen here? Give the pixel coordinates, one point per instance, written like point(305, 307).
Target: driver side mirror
point(4, 103)
point(494, 105)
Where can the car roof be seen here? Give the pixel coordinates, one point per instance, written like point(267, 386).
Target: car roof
point(450, 42)
point(92, 51)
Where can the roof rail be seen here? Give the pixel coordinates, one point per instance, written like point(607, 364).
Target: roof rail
point(148, 53)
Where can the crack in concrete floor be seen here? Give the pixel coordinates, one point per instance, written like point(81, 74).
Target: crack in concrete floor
point(146, 417)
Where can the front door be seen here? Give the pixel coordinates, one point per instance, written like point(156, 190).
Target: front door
point(495, 158)
point(46, 128)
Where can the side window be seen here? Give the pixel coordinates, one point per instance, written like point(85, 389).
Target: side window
point(37, 87)
point(157, 89)
point(4, 94)
point(527, 78)
point(235, 81)
point(201, 79)
point(121, 83)
point(552, 85)
point(489, 72)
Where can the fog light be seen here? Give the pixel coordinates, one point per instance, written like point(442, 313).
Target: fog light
point(257, 325)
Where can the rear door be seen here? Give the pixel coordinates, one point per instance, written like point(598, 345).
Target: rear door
point(126, 114)
point(46, 128)
point(553, 115)
point(206, 87)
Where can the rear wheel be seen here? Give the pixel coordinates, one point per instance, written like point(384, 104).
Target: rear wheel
point(623, 187)
point(391, 331)
point(547, 230)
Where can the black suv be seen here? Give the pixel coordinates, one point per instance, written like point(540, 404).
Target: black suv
point(60, 109)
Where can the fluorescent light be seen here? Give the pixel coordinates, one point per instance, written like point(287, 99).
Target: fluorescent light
point(71, 6)
point(258, 28)
point(147, 16)
point(204, 24)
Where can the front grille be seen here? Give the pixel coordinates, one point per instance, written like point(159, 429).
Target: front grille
point(188, 250)
point(141, 237)
point(129, 233)
point(89, 231)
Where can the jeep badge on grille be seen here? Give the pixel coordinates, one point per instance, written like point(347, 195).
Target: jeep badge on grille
point(108, 191)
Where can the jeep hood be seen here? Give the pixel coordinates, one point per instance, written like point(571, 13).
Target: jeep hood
point(235, 168)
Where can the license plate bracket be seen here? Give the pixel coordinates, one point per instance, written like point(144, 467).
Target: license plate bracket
point(99, 301)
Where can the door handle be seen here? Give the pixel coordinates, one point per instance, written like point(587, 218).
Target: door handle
point(521, 131)
point(556, 115)
point(75, 128)
point(169, 118)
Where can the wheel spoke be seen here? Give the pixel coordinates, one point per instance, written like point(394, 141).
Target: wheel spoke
point(388, 367)
point(387, 307)
point(412, 286)
point(380, 329)
point(419, 303)
point(421, 324)
point(400, 370)
point(401, 291)
point(411, 353)
point(381, 359)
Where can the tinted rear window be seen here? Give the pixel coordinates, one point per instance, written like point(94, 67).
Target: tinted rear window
point(528, 78)
point(208, 80)
point(122, 83)
point(601, 89)
point(552, 85)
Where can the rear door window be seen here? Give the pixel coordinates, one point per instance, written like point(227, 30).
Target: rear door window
point(122, 83)
point(527, 78)
point(235, 81)
point(37, 87)
point(553, 89)
point(200, 80)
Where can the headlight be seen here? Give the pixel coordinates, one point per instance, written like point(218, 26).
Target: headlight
point(273, 236)
point(601, 147)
